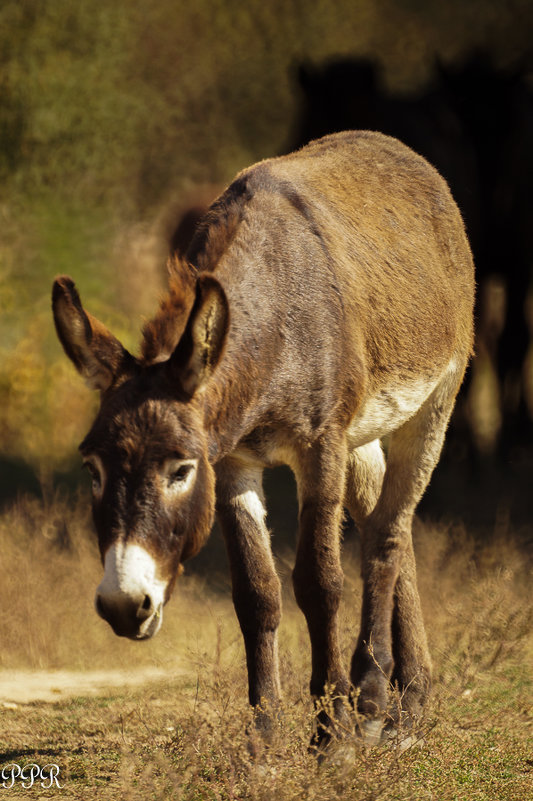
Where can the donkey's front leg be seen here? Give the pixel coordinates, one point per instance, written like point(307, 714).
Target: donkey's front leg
point(256, 586)
point(318, 577)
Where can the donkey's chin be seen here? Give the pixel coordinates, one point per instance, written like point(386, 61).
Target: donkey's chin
point(151, 626)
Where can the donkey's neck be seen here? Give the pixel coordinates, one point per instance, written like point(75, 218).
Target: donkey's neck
point(241, 394)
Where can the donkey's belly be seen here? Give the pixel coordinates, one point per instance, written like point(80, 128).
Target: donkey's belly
point(388, 409)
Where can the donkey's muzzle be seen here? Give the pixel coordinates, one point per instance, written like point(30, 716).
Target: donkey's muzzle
point(137, 618)
point(131, 594)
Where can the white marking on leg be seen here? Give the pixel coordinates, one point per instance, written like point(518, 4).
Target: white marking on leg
point(251, 502)
point(246, 493)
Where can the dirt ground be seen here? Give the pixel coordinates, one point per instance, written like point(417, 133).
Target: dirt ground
point(26, 687)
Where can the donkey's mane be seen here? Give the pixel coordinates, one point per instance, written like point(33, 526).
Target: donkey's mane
point(211, 240)
point(219, 225)
point(163, 332)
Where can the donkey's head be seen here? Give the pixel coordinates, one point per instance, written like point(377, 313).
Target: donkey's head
point(147, 451)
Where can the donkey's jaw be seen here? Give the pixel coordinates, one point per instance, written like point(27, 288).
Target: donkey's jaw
point(151, 626)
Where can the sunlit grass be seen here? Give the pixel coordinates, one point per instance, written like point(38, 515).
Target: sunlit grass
point(185, 737)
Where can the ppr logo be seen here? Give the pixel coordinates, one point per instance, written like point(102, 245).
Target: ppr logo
point(28, 775)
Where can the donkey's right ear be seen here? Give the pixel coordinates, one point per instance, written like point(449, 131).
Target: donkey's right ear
point(97, 355)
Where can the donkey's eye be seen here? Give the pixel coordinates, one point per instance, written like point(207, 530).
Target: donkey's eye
point(93, 472)
point(96, 474)
point(181, 473)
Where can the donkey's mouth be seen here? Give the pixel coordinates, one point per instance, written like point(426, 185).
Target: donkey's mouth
point(151, 626)
point(126, 621)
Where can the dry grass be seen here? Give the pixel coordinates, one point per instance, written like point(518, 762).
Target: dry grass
point(50, 570)
point(186, 738)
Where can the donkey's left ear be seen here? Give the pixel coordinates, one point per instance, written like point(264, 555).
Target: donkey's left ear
point(202, 344)
point(96, 354)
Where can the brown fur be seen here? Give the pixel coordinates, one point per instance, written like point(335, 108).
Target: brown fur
point(333, 307)
point(162, 334)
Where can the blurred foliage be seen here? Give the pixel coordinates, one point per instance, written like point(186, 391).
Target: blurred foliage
point(110, 111)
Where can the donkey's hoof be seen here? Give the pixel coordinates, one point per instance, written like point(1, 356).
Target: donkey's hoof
point(370, 731)
point(340, 754)
point(402, 739)
point(263, 731)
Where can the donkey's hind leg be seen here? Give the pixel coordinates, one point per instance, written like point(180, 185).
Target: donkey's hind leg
point(411, 666)
point(392, 641)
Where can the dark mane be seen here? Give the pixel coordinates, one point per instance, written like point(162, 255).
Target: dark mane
point(162, 334)
point(211, 240)
point(219, 226)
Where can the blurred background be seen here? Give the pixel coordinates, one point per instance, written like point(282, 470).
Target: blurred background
point(120, 121)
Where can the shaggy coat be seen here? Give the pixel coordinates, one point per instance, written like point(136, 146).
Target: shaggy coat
point(325, 303)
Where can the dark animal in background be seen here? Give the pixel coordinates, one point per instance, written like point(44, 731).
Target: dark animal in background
point(326, 302)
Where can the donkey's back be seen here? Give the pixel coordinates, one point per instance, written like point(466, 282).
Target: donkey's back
point(351, 257)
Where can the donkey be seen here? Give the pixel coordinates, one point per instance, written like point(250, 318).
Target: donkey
point(325, 303)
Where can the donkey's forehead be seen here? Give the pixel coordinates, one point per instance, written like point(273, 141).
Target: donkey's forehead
point(136, 427)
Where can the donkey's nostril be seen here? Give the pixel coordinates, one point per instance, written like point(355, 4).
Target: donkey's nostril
point(145, 609)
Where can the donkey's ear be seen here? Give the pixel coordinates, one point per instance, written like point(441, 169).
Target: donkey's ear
point(97, 355)
point(201, 346)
